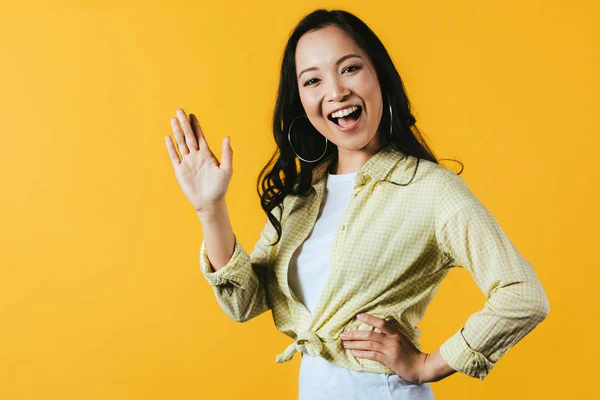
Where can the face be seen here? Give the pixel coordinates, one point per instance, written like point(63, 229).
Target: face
point(334, 73)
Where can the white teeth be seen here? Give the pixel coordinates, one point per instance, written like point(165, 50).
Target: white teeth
point(344, 112)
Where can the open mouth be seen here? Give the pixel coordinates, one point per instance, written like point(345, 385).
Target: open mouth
point(348, 119)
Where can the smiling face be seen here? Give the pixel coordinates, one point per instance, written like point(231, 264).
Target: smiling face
point(334, 73)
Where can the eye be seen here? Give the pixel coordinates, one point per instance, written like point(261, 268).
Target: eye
point(352, 66)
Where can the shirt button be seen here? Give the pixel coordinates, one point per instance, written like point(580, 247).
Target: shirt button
point(360, 178)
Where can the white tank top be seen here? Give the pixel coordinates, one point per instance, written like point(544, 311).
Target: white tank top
point(308, 274)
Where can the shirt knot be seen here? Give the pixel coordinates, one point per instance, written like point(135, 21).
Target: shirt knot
point(308, 341)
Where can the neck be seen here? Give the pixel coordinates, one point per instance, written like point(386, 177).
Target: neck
point(349, 161)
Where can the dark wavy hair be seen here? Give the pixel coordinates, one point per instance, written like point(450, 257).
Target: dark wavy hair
point(297, 174)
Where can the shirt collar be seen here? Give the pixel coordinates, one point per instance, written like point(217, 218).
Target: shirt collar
point(376, 168)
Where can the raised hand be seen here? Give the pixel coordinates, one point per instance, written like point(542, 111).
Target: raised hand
point(203, 179)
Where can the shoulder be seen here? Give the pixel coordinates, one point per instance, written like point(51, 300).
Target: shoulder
point(453, 194)
point(432, 185)
point(424, 173)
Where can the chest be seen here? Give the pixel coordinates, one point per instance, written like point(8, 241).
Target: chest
point(386, 233)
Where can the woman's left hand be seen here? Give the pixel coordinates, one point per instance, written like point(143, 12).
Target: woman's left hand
point(390, 348)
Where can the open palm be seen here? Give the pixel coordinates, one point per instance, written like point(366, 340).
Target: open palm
point(202, 178)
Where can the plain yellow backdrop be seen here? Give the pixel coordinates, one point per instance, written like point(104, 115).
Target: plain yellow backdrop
point(101, 296)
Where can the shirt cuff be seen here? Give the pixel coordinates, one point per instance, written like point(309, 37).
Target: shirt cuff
point(235, 273)
point(462, 358)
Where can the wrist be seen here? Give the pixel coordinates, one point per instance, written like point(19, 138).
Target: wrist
point(423, 373)
point(212, 212)
point(434, 368)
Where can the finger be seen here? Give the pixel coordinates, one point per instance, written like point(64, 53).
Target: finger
point(364, 335)
point(190, 139)
point(364, 345)
point(371, 355)
point(226, 154)
point(181, 146)
point(378, 323)
point(172, 152)
point(201, 140)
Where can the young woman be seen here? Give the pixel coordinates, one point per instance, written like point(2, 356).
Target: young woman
point(361, 219)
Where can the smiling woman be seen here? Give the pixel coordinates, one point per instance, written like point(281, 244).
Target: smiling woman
point(363, 220)
point(336, 78)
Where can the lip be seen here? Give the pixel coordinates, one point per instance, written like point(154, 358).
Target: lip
point(349, 128)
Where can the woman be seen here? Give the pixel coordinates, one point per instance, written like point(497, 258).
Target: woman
point(361, 219)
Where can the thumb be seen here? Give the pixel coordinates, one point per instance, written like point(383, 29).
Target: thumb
point(226, 154)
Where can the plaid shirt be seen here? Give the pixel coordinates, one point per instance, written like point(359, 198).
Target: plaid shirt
point(390, 252)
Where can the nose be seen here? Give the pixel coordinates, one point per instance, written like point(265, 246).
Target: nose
point(337, 91)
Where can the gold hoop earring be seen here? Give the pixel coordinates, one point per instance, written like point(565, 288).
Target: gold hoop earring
point(290, 141)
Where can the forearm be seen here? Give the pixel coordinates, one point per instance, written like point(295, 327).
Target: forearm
point(237, 278)
point(435, 368)
point(218, 234)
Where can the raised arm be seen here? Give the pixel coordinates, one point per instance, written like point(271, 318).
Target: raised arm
point(238, 279)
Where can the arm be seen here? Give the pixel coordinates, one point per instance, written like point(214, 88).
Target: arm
point(238, 279)
point(516, 301)
point(218, 234)
point(434, 368)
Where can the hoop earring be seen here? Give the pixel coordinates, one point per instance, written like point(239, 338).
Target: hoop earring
point(391, 119)
point(290, 140)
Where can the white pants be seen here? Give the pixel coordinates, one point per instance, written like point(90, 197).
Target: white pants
point(321, 380)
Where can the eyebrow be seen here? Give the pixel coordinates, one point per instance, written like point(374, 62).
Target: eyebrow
point(338, 62)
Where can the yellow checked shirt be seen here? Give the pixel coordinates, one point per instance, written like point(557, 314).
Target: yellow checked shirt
point(390, 252)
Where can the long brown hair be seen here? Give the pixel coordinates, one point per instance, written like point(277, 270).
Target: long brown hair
point(284, 173)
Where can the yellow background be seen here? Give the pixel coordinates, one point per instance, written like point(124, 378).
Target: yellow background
point(101, 296)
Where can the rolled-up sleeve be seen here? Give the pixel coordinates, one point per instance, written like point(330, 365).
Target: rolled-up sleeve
point(240, 286)
point(516, 302)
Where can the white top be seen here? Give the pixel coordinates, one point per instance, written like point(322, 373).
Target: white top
point(308, 274)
